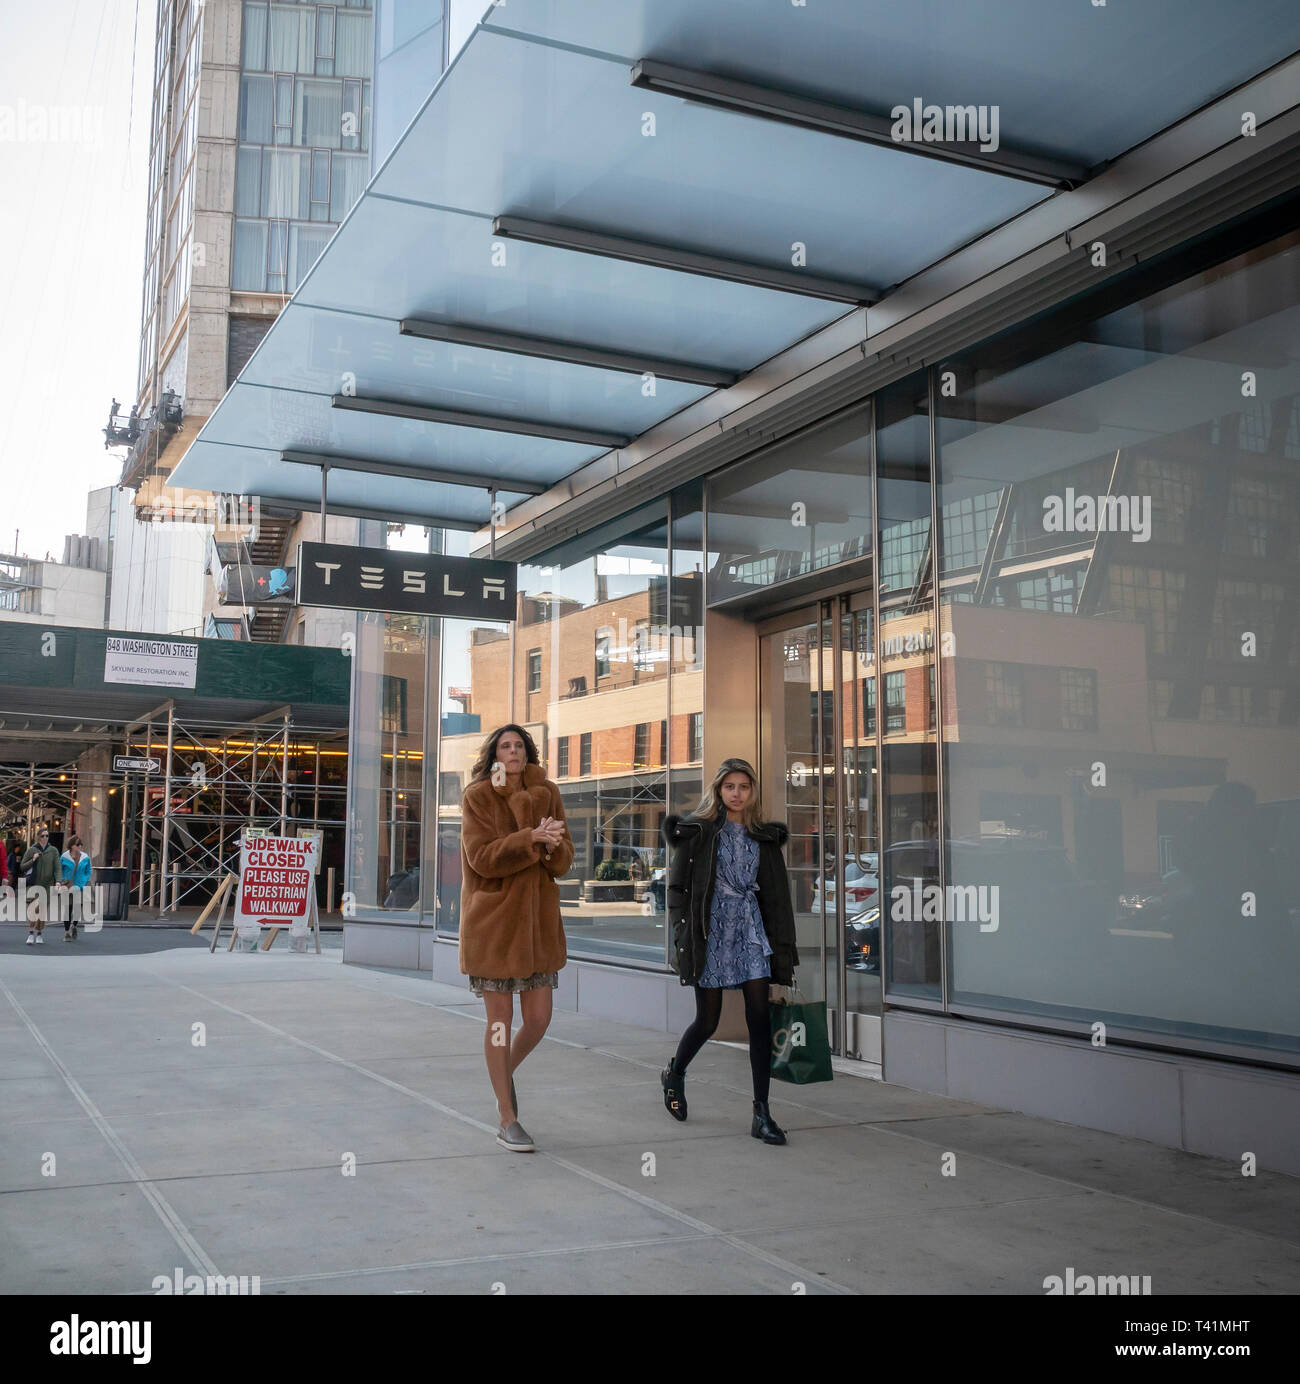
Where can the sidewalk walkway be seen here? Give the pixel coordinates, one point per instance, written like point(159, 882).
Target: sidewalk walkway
point(128, 1151)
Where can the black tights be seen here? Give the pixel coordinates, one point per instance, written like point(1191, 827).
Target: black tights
point(708, 1010)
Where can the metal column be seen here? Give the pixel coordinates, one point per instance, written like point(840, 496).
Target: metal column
point(144, 813)
point(284, 777)
point(167, 810)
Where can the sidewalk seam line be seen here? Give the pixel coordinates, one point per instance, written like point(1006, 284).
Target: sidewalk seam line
point(660, 1208)
point(165, 1212)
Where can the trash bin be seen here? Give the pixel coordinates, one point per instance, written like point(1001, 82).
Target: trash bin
point(112, 885)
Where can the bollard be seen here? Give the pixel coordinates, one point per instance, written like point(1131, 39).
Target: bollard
point(176, 885)
point(329, 890)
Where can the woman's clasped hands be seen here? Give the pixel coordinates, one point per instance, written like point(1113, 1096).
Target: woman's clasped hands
point(549, 832)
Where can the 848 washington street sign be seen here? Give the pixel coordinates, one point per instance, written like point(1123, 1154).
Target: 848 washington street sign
point(331, 574)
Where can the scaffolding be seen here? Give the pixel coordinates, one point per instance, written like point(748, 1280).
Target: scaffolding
point(183, 825)
point(33, 794)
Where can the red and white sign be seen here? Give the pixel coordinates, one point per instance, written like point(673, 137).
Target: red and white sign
point(275, 878)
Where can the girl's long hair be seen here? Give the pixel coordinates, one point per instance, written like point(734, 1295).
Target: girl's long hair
point(711, 804)
point(488, 753)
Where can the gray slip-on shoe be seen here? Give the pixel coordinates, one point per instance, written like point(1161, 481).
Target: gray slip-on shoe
point(515, 1138)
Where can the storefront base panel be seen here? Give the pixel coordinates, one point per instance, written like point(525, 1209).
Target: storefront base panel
point(1220, 1109)
point(399, 945)
point(644, 998)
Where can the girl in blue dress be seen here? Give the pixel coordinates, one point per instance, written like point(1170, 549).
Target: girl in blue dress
point(733, 926)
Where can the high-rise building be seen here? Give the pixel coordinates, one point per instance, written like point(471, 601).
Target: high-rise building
point(260, 143)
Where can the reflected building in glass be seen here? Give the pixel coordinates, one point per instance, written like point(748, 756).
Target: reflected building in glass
point(1010, 631)
point(1043, 770)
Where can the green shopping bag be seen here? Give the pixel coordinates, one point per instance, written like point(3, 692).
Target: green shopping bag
point(801, 1049)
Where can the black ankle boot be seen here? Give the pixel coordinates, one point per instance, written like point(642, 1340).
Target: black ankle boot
point(764, 1126)
point(674, 1084)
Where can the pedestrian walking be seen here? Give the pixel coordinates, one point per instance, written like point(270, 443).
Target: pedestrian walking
point(733, 926)
point(514, 845)
point(42, 869)
point(75, 864)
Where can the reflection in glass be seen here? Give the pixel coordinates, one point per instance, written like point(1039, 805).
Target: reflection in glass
point(686, 664)
point(387, 757)
point(796, 508)
point(904, 672)
point(791, 774)
point(859, 915)
point(1121, 568)
point(585, 670)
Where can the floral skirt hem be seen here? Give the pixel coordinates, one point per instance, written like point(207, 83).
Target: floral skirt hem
point(757, 970)
point(539, 980)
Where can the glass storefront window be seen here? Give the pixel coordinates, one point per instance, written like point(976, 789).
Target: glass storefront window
point(387, 756)
point(796, 508)
point(903, 670)
point(584, 668)
point(1121, 800)
point(601, 621)
point(686, 635)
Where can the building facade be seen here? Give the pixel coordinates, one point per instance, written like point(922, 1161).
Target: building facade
point(71, 591)
point(1034, 724)
point(977, 538)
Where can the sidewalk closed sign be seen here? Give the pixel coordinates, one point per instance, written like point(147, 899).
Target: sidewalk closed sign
point(275, 878)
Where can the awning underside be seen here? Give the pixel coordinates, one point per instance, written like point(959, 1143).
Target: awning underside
point(542, 209)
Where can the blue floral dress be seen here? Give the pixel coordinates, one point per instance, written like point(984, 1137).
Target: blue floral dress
point(737, 949)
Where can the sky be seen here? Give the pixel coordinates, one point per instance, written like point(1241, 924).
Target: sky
point(73, 169)
point(74, 154)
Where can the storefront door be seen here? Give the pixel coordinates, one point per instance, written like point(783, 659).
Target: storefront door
point(817, 748)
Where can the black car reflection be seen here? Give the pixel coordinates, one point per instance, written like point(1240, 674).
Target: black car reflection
point(862, 941)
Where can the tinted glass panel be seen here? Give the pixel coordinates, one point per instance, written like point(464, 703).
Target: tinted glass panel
point(1126, 662)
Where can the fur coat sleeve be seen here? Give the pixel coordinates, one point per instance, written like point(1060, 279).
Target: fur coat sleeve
point(491, 852)
point(510, 920)
point(558, 861)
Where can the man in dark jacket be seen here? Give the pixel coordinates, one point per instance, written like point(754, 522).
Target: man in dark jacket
point(46, 869)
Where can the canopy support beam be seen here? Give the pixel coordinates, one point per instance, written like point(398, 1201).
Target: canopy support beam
point(548, 348)
point(684, 261)
point(492, 422)
point(767, 103)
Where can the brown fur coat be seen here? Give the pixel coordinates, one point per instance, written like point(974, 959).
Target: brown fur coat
point(510, 922)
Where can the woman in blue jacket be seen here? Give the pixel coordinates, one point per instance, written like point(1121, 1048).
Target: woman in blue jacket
point(76, 874)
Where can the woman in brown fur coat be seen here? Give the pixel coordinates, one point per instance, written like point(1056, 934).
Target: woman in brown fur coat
point(515, 846)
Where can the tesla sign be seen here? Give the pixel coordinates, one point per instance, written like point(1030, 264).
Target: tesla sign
point(466, 588)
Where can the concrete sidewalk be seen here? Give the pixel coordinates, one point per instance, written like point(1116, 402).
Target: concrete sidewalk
point(127, 1151)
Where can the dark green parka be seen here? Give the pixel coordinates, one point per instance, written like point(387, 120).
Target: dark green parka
point(692, 867)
